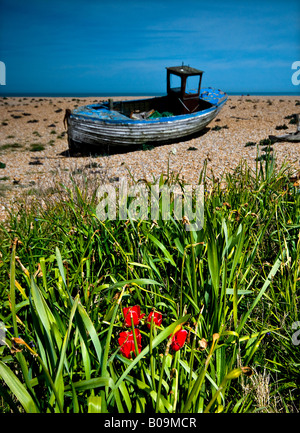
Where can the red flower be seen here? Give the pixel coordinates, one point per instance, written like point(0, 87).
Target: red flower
point(178, 339)
point(135, 313)
point(126, 342)
point(157, 319)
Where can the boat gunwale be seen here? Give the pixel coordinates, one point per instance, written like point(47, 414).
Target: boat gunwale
point(166, 120)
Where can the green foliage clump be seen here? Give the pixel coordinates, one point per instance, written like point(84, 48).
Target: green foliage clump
point(65, 277)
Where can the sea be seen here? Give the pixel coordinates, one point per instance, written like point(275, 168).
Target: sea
point(112, 94)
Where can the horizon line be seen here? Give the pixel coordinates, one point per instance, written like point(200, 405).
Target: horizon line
point(124, 94)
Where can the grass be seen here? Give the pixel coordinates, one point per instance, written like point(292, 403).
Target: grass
point(11, 146)
point(218, 128)
point(65, 277)
point(36, 147)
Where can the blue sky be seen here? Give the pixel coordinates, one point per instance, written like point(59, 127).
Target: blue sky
point(124, 46)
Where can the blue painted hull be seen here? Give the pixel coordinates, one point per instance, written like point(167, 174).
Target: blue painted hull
point(97, 125)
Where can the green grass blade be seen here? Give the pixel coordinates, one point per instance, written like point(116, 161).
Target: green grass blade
point(97, 382)
point(268, 281)
point(92, 332)
point(168, 256)
point(213, 263)
point(59, 379)
point(94, 404)
point(45, 316)
point(62, 271)
point(12, 289)
point(18, 389)
point(19, 356)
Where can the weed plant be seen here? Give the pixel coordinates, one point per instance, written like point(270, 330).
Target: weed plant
point(66, 276)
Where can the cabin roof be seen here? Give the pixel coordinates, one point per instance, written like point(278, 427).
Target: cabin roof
point(184, 70)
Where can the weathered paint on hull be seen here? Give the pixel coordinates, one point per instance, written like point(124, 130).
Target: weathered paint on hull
point(96, 128)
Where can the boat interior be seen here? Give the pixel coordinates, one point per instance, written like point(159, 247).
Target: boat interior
point(171, 104)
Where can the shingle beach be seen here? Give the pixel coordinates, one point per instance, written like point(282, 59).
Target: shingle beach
point(34, 157)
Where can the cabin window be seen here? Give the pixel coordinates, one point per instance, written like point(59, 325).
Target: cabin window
point(175, 83)
point(192, 84)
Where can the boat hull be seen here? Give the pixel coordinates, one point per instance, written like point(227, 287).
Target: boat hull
point(98, 126)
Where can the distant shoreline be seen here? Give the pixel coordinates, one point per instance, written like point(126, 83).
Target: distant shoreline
point(112, 94)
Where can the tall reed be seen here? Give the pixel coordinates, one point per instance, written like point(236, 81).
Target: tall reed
point(66, 277)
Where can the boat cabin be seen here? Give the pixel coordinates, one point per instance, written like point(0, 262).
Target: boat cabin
point(183, 96)
point(183, 88)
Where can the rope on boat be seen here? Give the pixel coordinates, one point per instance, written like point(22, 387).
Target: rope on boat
point(66, 118)
point(187, 107)
point(184, 105)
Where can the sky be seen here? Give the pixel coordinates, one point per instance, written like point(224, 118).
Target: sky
point(124, 46)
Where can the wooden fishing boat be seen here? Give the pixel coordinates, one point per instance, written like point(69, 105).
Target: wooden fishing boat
point(184, 111)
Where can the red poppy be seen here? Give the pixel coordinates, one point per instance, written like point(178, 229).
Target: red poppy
point(135, 313)
point(157, 319)
point(126, 342)
point(178, 339)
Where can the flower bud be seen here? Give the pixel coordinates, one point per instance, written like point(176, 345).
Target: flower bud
point(234, 374)
point(247, 371)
